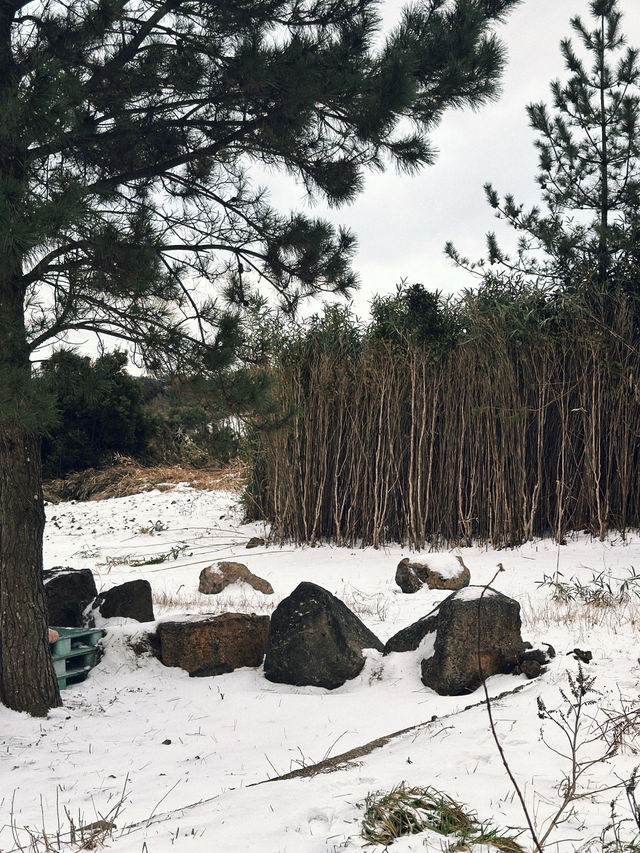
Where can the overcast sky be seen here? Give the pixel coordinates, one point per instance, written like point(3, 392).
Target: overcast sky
point(403, 223)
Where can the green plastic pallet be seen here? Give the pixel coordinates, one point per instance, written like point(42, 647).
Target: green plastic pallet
point(74, 653)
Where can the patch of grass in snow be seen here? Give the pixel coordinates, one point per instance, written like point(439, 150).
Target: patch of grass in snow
point(602, 590)
point(73, 834)
point(579, 617)
point(152, 527)
point(611, 837)
point(179, 550)
point(363, 604)
point(408, 811)
point(244, 600)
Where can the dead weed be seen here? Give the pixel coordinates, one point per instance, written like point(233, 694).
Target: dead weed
point(128, 477)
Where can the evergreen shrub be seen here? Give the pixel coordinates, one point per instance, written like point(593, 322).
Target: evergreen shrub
point(100, 412)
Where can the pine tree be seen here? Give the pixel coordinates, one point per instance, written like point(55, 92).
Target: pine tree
point(99, 411)
point(126, 209)
point(585, 237)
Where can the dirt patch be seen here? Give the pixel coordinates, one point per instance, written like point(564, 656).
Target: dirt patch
point(128, 477)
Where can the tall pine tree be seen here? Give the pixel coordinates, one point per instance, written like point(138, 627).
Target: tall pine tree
point(585, 236)
point(126, 131)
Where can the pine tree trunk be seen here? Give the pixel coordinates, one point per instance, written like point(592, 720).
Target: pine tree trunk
point(603, 241)
point(27, 679)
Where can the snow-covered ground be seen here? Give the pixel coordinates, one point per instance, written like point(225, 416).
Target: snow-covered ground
point(186, 762)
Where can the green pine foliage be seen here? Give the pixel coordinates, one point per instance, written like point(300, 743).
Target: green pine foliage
point(128, 134)
point(414, 315)
point(100, 412)
point(583, 239)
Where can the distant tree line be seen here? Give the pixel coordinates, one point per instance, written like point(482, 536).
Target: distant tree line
point(99, 410)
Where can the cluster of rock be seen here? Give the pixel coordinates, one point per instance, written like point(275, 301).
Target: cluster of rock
point(313, 638)
point(73, 600)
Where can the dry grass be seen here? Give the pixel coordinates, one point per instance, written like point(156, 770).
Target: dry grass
point(243, 600)
point(128, 477)
point(408, 811)
point(582, 618)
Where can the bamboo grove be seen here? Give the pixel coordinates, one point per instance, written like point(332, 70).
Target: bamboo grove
point(497, 433)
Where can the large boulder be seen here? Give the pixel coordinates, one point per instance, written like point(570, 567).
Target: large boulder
point(68, 592)
point(213, 579)
point(213, 645)
point(316, 640)
point(440, 571)
point(131, 600)
point(474, 630)
point(408, 639)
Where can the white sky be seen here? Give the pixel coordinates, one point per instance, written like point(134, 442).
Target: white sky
point(403, 223)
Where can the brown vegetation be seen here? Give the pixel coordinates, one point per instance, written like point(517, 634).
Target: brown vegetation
point(128, 477)
point(507, 435)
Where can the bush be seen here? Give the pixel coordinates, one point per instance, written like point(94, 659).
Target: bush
point(100, 412)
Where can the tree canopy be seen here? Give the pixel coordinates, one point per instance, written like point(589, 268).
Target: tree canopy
point(128, 129)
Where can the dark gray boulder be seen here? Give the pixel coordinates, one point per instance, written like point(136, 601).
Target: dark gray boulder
point(314, 639)
point(131, 600)
point(68, 592)
point(478, 635)
point(408, 639)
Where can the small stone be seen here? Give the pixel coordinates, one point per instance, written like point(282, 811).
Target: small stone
point(530, 668)
point(215, 578)
point(406, 578)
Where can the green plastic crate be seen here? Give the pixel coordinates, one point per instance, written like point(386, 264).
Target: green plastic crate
point(74, 653)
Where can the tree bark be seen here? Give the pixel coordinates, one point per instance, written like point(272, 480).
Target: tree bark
point(27, 679)
point(603, 240)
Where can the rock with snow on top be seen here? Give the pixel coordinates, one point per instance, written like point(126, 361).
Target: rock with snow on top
point(478, 635)
point(213, 645)
point(131, 600)
point(408, 639)
point(213, 579)
point(440, 571)
point(68, 592)
point(316, 640)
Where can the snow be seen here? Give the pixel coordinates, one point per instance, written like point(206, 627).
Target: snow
point(473, 592)
point(446, 565)
point(186, 762)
